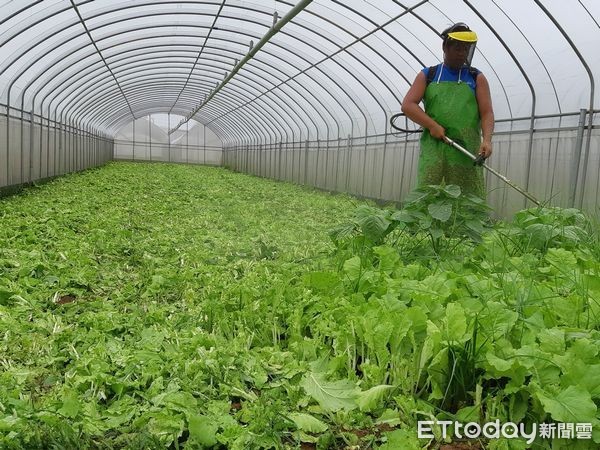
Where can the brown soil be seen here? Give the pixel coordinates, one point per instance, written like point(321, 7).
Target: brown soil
point(65, 299)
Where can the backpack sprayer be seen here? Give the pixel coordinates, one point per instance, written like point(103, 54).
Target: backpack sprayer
point(478, 160)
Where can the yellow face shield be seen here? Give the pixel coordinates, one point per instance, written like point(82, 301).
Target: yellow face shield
point(463, 36)
point(467, 38)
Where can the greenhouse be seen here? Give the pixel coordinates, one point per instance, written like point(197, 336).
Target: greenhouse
point(306, 224)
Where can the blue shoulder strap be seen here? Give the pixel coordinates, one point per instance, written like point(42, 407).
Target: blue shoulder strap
point(432, 70)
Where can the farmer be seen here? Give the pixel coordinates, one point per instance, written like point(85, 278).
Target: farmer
point(458, 105)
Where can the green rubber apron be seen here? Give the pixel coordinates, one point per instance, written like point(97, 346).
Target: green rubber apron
point(453, 105)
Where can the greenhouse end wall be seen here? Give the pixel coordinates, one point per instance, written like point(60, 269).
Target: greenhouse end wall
point(145, 140)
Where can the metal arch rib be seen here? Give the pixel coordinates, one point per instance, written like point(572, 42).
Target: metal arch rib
point(338, 102)
point(344, 48)
point(192, 103)
point(273, 31)
point(206, 38)
point(100, 54)
point(342, 107)
point(592, 87)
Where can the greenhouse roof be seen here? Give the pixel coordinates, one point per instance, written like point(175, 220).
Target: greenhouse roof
point(280, 70)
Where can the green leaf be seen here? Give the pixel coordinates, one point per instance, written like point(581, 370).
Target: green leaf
point(587, 376)
point(405, 439)
point(456, 322)
point(436, 233)
point(5, 297)
point(388, 257)
point(468, 414)
point(475, 226)
point(496, 320)
point(452, 190)
point(370, 399)
point(403, 216)
point(70, 405)
point(308, 423)
point(352, 267)
point(180, 401)
point(332, 396)
point(373, 222)
point(165, 424)
point(572, 405)
point(440, 211)
point(499, 364)
point(203, 430)
point(552, 341)
point(518, 406)
point(322, 281)
point(390, 417)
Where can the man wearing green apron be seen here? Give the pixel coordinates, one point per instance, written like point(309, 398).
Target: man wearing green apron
point(458, 105)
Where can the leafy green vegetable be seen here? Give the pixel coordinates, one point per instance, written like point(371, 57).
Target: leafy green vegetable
point(169, 306)
point(331, 395)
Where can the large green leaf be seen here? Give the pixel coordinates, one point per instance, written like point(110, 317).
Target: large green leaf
point(501, 365)
point(203, 430)
point(331, 395)
point(440, 210)
point(405, 439)
point(70, 404)
point(404, 216)
point(456, 322)
point(371, 399)
point(374, 222)
point(587, 376)
point(353, 267)
point(308, 423)
point(452, 190)
point(573, 405)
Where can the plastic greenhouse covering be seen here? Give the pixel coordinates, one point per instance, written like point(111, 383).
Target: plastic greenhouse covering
point(294, 90)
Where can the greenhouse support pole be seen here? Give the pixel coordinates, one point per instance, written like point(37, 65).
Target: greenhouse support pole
point(306, 162)
point(364, 171)
point(337, 162)
point(385, 143)
point(150, 136)
point(59, 132)
point(577, 161)
point(247, 158)
point(287, 151)
point(55, 147)
point(270, 157)
point(326, 162)
point(31, 121)
point(8, 144)
point(22, 143)
point(317, 162)
point(133, 149)
point(258, 162)
point(41, 146)
point(279, 160)
point(592, 90)
point(348, 156)
point(47, 146)
point(299, 151)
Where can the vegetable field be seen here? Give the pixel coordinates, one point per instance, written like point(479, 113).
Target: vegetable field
point(152, 306)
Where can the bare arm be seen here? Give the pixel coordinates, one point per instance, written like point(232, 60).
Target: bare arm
point(410, 107)
point(486, 113)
